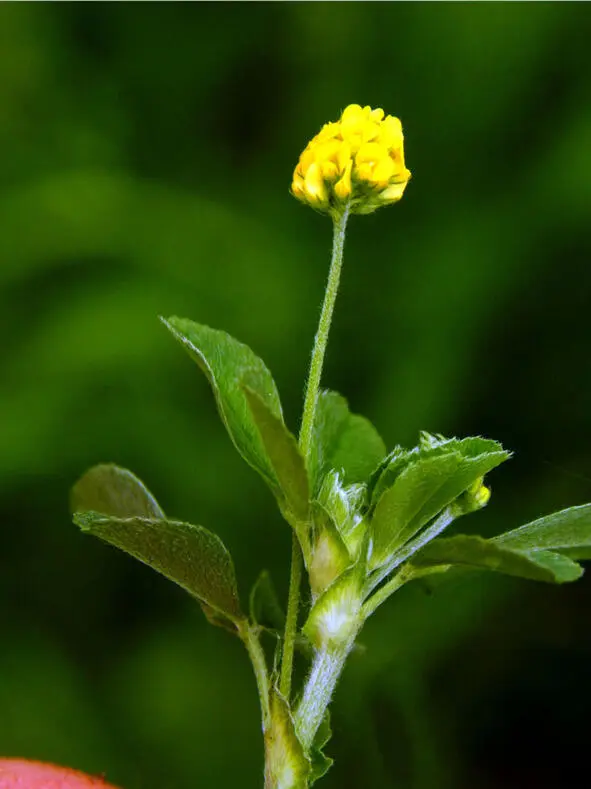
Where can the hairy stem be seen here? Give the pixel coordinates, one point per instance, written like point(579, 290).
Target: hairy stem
point(439, 524)
point(291, 620)
point(321, 339)
point(326, 669)
point(402, 576)
point(306, 431)
point(250, 637)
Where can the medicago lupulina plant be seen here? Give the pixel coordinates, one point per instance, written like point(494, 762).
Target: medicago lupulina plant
point(364, 521)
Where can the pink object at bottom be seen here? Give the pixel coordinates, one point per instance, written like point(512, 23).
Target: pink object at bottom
point(24, 774)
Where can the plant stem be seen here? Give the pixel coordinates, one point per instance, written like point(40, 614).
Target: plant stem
point(249, 636)
point(401, 577)
point(291, 619)
point(310, 402)
point(321, 339)
point(326, 669)
point(442, 522)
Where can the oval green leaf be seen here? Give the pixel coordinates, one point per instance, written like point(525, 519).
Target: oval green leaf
point(423, 482)
point(191, 556)
point(112, 490)
point(284, 456)
point(228, 365)
point(397, 515)
point(482, 452)
point(478, 553)
point(345, 442)
point(567, 531)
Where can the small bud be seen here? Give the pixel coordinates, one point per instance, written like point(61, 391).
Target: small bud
point(357, 161)
point(475, 498)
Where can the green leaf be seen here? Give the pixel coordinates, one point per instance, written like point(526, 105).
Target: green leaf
point(388, 470)
point(321, 763)
point(471, 449)
point(423, 483)
point(345, 506)
point(191, 556)
point(286, 461)
point(397, 515)
point(567, 531)
point(113, 491)
point(264, 605)
point(476, 552)
point(343, 441)
point(228, 365)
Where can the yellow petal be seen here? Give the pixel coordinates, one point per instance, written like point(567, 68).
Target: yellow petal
point(354, 139)
point(306, 159)
point(393, 193)
point(329, 170)
point(364, 172)
point(397, 156)
point(327, 151)
point(384, 170)
point(352, 114)
point(371, 153)
point(329, 131)
point(314, 184)
point(297, 186)
point(391, 132)
point(370, 131)
point(344, 156)
point(343, 188)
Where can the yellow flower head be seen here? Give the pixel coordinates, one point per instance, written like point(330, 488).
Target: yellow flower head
point(358, 160)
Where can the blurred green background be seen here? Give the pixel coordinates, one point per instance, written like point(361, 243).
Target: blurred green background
point(147, 153)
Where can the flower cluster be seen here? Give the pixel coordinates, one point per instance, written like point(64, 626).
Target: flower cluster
point(359, 161)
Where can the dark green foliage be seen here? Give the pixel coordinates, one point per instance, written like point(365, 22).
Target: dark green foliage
point(417, 485)
point(113, 504)
point(321, 763)
point(264, 606)
point(343, 441)
point(567, 531)
point(230, 365)
point(475, 552)
point(115, 491)
point(191, 556)
point(285, 459)
point(472, 451)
